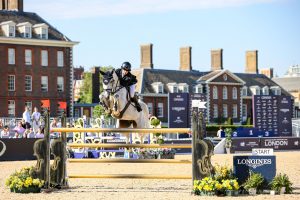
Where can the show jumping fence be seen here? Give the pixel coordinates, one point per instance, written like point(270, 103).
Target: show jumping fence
point(201, 151)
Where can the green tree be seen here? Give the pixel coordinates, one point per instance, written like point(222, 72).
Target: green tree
point(99, 111)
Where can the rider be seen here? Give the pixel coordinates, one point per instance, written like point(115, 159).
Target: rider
point(128, 80)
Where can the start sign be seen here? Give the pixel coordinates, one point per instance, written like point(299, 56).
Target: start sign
point(259, 152)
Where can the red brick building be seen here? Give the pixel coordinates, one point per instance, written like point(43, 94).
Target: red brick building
point(36, 62)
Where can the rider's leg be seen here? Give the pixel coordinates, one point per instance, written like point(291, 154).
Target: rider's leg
point(133, 98)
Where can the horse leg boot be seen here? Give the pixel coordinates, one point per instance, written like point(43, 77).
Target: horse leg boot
point(136, 103)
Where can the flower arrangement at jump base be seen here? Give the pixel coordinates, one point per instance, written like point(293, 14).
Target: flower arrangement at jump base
point(22, 182)
point(142, 153)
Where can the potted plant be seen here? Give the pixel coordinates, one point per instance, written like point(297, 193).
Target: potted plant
point(253, 183)
point(23, 182)
point(281, 184)
point(231, 187)
point(206, 186)
point(228, 139)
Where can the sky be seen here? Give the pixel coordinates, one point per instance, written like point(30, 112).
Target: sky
point(111, 31)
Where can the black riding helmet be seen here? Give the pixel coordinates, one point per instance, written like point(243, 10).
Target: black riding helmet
point(126, 66)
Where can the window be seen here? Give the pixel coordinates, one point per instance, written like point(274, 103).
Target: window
point(160, 110)
point(27, 33)
point(244, 110)
point(225, 111)
point(11, 31)
point(225, 96)
point(60, 58)
point(44, 34)
point(215, 92)
point(28, 104)
point(199, 89)
point(60, 84)
point(11, 108)
point(160, 89)
point(255, 90)
point(276, 90)
point(234, 111)
point(150, 108)
point(215, 110)
point(59, 112)
point(11, 56)
point(44, 58)
point(11, 82)
point(28, 83)
point(234, 93)
point(265, 90)
point(28, 57)
point(185, 89)
point(76, 112)
point(175, 89)
point(244, 91)
point(44, 83)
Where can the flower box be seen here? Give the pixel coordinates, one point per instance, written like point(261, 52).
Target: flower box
point(232, 192)
point(79, 155)
point(26, 190)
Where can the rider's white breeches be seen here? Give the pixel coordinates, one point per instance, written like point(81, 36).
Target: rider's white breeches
point(132, 90)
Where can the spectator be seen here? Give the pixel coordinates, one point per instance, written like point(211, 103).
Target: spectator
point(26, 117)
point(19, 129)
point(1, 124)
point(36, 119)
point(23, 123)
point(17, 135)
point(219, 133)
point(54, 124)
point(5, 132)
point(29, 133)
point(39, 134)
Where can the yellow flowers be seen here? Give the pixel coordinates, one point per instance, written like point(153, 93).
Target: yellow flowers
point(209, 185)
point(22, 179)
point(230, 184)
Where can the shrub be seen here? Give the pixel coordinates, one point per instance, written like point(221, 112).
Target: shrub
point(255, 180)
point(281, 180)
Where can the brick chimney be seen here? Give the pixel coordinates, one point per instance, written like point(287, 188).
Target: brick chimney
point(252, 62)
point(216, 59)
point(11, 5)
point(268, 72)
point(146, 56)
point(185, 58)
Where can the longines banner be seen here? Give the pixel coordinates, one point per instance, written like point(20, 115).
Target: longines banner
point(16, 149)
point(265, 165)
point(280, 143)
point(178, 110)
point(273, 114)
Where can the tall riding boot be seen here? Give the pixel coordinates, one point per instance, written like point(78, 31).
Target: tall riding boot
point(137, 105)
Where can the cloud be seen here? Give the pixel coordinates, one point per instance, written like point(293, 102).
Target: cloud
point(75, 9)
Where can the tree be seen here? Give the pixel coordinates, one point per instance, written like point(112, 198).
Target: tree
point(99, 111)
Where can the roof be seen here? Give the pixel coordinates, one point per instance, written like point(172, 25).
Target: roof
point(290, 84)
point(33, 18)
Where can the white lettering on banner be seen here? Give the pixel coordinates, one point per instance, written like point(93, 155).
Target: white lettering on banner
point(178, 120)
point(178, 99)
point(178, 109)
point(266, 97)
point(4, 148)
point(262, 151)
point(285, 110)
point(271, 143)
point(254, 163)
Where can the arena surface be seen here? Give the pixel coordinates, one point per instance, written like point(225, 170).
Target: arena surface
point(287, 162)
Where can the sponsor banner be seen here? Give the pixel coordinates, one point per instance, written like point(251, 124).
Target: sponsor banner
point(16, 149)
point(252, 132)
point(265, 165)
point(284, 117)
point(245, 144)
point(281, 143)
point(178, 110)
point(201, 97)
point(262, 151)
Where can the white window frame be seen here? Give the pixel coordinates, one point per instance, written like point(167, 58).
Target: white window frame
point(44, 33)
point(244, 110)
point(44, 83)
point(28, 83)
point(215, 92)
point(225, 92)
point(244, 91)
point(60, 58)
point(160, 89)
point(11, 31)
point(11, 56)
point(11, 80)
point(265, 90)
point(11, 108)
point(216, 113)
point(276, 90)
point(150, 108)
point(27, 32)
point(225, 110)
point(160, 110)
point(28, 57)
point(234, 93)
point(234, 111)
point(60, 84)
point(44, 58)
point(28, 104)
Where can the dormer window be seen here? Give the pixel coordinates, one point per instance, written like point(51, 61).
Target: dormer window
point(198, 88)
point(41, 30)
point(25, 29)
point(244, 91)
point(265, 90)
point(255, 90)
point(183, 87)
point(9, 28)
point(158, 87)
point(173, 88)
point(276, 90)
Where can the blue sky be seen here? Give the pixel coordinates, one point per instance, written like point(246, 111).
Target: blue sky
point(111, 31)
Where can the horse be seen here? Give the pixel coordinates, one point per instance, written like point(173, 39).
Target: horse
point(116, 101)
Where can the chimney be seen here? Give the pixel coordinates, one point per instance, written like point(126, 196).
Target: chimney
point(185, 58)
point(268, 72)
point(11, 5)
point(252, 62)
point(146, 56)
point(216, 59)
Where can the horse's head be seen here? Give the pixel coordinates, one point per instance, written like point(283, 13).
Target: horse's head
point(109, 80)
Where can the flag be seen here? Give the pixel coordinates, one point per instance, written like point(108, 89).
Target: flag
point(62, 105)
point(45, 103)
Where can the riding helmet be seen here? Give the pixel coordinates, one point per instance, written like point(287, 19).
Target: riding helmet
point(126, 66)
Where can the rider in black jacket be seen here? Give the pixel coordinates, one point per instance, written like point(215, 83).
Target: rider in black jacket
point(128, 80)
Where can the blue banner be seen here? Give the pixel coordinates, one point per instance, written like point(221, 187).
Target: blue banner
point(178, 110)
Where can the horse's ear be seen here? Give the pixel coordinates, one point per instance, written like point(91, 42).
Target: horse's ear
point(112, 71)
point(102, 72)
